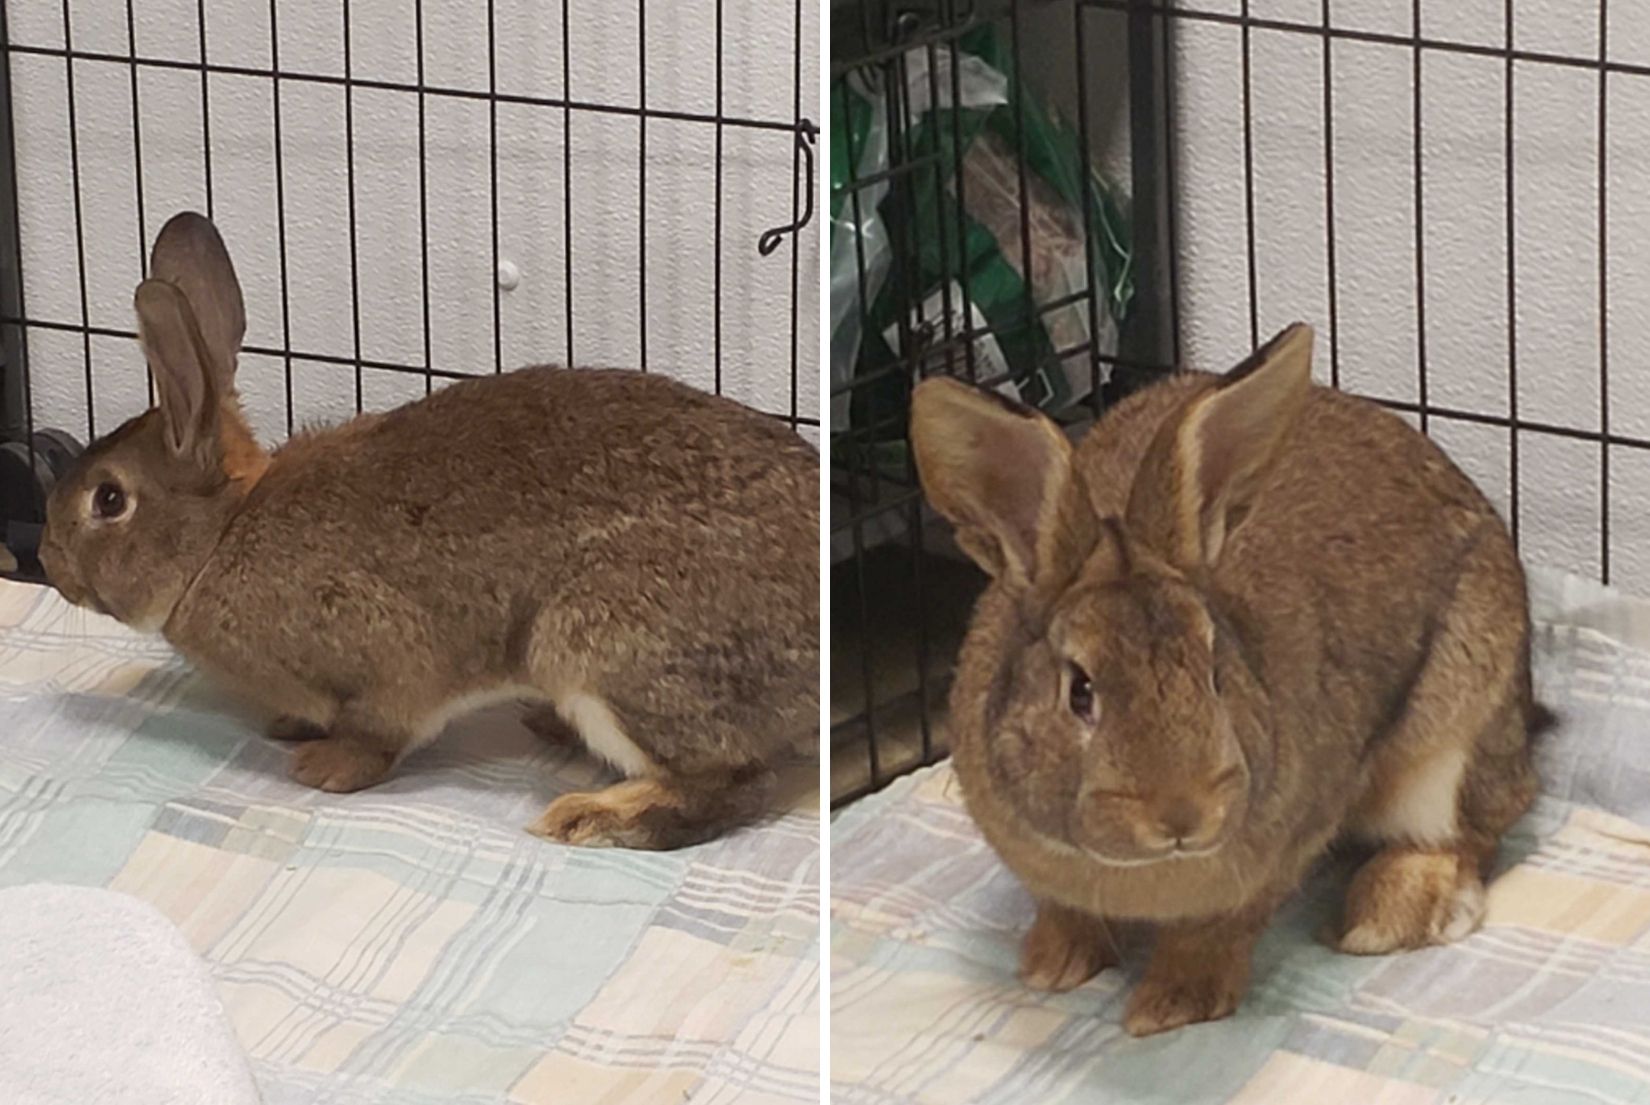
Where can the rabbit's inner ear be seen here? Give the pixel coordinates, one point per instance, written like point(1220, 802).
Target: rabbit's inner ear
point(997, 469)
point(183, 381)
point(1203, 472)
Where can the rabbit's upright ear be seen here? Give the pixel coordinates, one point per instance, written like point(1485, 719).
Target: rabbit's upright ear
point(1204, 470)
point(1001, 472)
point(186, 382)
point(191, 320)
point(190, 254)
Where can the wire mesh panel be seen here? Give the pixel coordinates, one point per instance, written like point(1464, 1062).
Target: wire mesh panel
point(414, 191)
point(1450, 192)
point(978, 229)
point(1447, 192)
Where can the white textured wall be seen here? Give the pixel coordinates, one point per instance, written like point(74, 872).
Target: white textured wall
point(759, 60)
point(1464, 230)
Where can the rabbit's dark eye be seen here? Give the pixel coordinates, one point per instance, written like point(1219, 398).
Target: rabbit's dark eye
point(109, 500)
point(1080, 695)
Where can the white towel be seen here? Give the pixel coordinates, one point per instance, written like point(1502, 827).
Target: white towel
point(102, 1000)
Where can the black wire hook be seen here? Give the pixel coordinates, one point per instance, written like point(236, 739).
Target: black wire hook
point(806, 133)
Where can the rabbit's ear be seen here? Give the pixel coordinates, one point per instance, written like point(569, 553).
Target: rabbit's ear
point(1202, 474)
point(190, 255)
point(185, 380)
point(999, 471)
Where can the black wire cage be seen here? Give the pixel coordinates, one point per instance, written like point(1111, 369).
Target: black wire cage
point(1065, 199)
point(414, 192)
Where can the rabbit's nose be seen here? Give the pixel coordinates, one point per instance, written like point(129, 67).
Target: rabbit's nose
point(1181, 820)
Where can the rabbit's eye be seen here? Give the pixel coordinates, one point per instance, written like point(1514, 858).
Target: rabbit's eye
point(1080, 695)
point(109, 500)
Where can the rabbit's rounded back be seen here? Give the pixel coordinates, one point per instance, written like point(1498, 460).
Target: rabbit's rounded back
point(601, 529)
point(1201, 621)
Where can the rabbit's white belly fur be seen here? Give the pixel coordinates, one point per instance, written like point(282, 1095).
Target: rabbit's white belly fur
point(602, 733)
point(1418, 802)
point(589, 714)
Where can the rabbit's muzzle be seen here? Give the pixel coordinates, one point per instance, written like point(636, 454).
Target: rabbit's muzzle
point(1123, 829)
point(62, 577)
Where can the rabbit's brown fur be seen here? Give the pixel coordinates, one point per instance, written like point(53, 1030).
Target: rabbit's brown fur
point(1299, 621)
point(638, 554)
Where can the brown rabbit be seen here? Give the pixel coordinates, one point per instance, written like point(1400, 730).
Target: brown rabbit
point(1244, 617)
point(639, 555)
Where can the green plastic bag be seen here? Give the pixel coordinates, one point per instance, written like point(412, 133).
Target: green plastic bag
point(905, 261)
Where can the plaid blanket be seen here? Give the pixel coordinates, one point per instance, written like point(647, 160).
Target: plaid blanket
point(409, 943)
point(1548, 1005)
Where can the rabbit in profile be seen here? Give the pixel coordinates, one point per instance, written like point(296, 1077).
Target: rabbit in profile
point(633, 554)
point(1244, 617)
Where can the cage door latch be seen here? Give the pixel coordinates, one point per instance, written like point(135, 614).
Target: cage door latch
point(806, 133)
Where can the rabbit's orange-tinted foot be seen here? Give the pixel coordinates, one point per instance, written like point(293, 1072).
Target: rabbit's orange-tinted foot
point(1407, 897)
point(658, 813)
point(339, 765)
point(1064, 949)
point(631, 814)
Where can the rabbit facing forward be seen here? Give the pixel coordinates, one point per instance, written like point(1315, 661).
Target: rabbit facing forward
point(1243, 618)
point(636, 556)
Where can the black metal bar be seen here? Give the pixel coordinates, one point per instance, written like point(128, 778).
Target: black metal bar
point(280, 214)
point(354, 243)
point(492, 181)
point(302, 355)
point(901, 168)
point(716, 228)
point(641, 179)
point(967, 305)
point(423, 200)
point(1512, 285)
point(79, 227)
point(1148, 336)
point(1420, 221)
point(1249, 186)
point(1329, 202)
point(856, 203)
point(206, 108)
point(1588, 62)
point(1019, 97)
point(567, 170)
point(1603, 295)
point(797, 221)
point(1086, 198)
point(16, 411)
point(292, 76)
point(137, 166)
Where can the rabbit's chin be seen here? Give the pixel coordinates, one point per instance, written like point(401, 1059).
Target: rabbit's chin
point(1159, 859)
point(1165, 858)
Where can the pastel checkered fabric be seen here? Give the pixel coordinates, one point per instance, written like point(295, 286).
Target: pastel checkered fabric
point(1548, 1005)
point(409, 943)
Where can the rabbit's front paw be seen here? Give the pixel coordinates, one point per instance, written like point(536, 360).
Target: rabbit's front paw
point(339, 765)
point(1064, 949)
point(1168, 1001)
